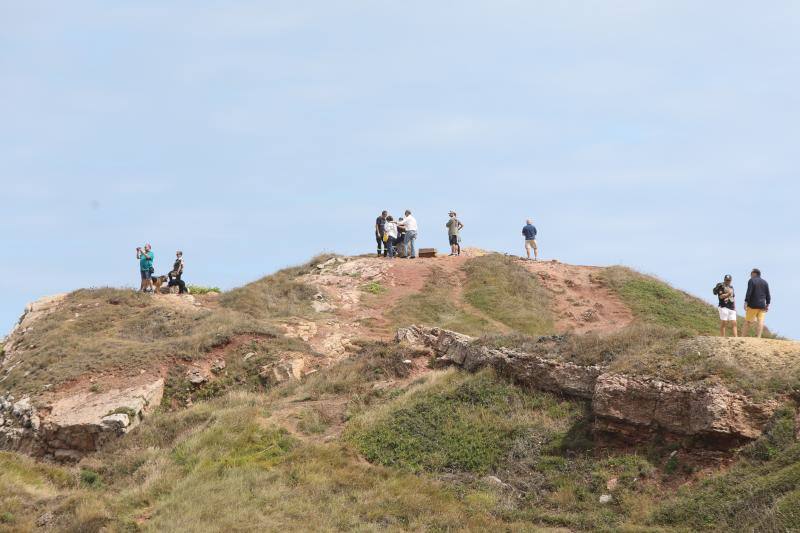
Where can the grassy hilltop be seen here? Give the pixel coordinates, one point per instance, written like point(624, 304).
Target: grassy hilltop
point(372, 442)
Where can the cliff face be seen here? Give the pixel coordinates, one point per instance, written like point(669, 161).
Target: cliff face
point(633, 408)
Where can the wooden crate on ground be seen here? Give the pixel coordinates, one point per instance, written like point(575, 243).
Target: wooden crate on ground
point(427, 252)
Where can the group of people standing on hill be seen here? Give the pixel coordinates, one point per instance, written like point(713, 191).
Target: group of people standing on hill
point(756, 304)
point(150, 282)
point(398, 237)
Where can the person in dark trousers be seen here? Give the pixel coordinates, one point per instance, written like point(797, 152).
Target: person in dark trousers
point(380, 224)
point(176, 273)
point(400, 243)
point(145, 258)
point(454, 227)
point(727, 306)
point(756, 302)
point(391, 235)
point(529, 231)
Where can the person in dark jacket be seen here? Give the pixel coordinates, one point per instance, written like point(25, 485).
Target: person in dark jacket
point(756, 302)
point(380, 224)
point(529, 232)
point(176, 273)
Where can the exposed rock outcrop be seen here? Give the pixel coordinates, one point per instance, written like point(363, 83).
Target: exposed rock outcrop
point(631, 407)
point(74, 425)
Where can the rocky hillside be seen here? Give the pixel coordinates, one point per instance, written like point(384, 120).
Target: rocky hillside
point(477, 392)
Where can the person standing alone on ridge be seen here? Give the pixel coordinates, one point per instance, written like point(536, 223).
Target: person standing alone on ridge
point(453, 230)
point(380, 224)
point(727, 306)
point(756, 302)
point(529, 231)
point(410, 225)
point(145, 258)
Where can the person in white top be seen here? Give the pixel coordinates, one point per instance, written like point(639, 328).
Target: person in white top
point(410, 224)
point(390, 228)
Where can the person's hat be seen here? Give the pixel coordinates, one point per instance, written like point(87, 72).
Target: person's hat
point(728, 277)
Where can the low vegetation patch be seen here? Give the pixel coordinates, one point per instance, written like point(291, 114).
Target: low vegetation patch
point(277, 295)
point(760, 493)
point(458, 423)
point(243, 364)
point(356, 376)
point(507, 292)
point(435, 305)
point(199, 289)
point(374, 287)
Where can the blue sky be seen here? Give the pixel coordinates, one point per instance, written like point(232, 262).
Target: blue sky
point(253, 135)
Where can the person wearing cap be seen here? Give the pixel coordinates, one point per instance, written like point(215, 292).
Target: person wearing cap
point(727, 306)
point(453, 230)
point(756, 302)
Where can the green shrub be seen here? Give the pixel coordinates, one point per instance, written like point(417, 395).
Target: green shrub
point(465, 423)
point(90, 478)
point(199, 289)
point(374, 287)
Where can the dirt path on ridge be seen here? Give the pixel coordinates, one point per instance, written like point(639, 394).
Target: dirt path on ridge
point(579, 301)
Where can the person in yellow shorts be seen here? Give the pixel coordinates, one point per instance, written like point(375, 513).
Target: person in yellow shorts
point(756, 303)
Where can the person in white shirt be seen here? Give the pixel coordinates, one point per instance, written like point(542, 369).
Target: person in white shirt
point(390, 228)
point(410, 224)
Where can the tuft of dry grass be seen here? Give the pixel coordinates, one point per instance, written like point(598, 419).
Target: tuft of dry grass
point(276, 295)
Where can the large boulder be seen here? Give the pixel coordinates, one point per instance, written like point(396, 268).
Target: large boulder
point(631, 407)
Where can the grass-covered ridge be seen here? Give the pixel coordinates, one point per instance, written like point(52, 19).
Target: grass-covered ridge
point(654, 301)
point(500, 287)
point(94, 330)
point(278, 295)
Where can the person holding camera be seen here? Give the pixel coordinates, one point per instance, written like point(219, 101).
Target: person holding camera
point(727, 306)
point(145, 258)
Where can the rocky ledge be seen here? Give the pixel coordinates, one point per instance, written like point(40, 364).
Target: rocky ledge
point(631, 408)
point(71, 427)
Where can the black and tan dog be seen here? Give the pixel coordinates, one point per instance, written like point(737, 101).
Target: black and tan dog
point(158, 282)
